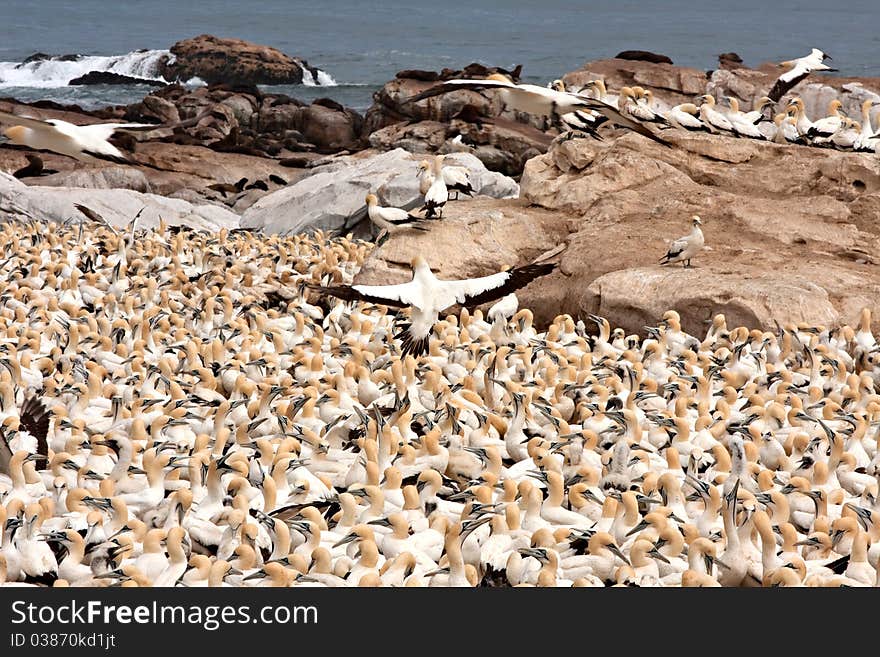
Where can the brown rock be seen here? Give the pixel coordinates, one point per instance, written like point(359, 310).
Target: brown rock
point(643, 56)
point(791, 232)
point(231, 61)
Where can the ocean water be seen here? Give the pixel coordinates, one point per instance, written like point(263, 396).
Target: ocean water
point(360, 44)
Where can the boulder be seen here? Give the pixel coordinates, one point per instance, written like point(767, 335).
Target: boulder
point(108, 77)
point(116, 206)
point(231, 61)
point(332, 198)
point(109, 177)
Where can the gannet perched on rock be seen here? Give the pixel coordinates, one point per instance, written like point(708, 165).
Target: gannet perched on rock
point(711, 116)
point(456, 178)
point(799, 69)
point(538, 101)
point(427, 296)
point(685, 248)
point(392, 219)
point(437, 194)
point(685, 116)
point(87, 143)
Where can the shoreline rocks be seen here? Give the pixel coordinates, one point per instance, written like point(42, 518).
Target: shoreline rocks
point(232, 61)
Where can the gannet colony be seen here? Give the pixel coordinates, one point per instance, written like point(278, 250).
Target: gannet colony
point(190, 408)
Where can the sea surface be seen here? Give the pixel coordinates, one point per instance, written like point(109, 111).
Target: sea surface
point(358, 45)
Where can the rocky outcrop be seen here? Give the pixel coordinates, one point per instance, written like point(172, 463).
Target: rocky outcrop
point(117, 206)
point(503, 140)
point(791, 232)
point(332, 198)
point(108, 77)
point(231, 62)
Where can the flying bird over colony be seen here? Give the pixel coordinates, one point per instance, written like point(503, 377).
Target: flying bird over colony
point(427, 296)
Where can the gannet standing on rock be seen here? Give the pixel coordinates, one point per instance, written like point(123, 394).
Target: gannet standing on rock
point(800, 68)
point(685, 116)
point(685, 248)
point(867, 141)
point(711, 116)
point(827, 126)
point(456, 178)
point(427, 296)
point(391, 220)
point(437, 194)
point(741, 124)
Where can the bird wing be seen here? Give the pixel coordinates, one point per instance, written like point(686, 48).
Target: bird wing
point(27, 121)
point(107, 130)
point(398, 296)
point(613, 115)
point(34, 418)
point(475, 291)
point(788, 80)
point(397, 216)
point(677, 247)
point(455, 85)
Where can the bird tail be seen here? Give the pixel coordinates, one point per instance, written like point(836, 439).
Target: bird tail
point(412, 345)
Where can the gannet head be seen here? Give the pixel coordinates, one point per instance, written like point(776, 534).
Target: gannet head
point(834, 105)
point(763, 102)
point(371, 199)
point(697, 221)
point(689, 108)
point(418, 263)
point(17, 134)
point(627, 92)
point(424, 165)
point(499, 77)
point(796, 102)
point(558, 85)
point(708, 99)
point(733, 102)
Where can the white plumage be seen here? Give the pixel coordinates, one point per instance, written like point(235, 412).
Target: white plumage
point(685, 248)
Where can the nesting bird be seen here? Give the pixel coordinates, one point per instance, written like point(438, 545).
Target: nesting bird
point(184, 409)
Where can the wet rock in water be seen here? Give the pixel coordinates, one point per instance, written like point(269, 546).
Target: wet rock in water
point(231, 61)
point(108, 77)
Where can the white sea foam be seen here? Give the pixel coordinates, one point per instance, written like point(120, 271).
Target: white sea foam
point(54, 73)
point(324, 79)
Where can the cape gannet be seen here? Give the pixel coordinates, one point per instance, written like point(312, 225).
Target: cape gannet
point(538, 101)
point(456, 178)
point(427, 296)
point(799, 69)
point(391, 219)
point(828, 125)
point(711, 116)
point(685, 116)
point(87, 143)
point(685, 248)
point(437, 194)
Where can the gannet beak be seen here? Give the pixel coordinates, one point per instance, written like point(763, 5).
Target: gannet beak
point(382, 522)
point(616, 552)
point(639, 527)
point(346, 540)
point(656, 553)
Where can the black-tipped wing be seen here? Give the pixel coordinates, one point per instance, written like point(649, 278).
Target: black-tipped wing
point(477, 291)
point(614, 115)
point(34, 418)
point(788, 80)
point(458, 85)
point(397, 296)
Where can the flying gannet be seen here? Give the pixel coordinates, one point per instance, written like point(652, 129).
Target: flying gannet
point(799, 69)
point(87, 143)
point(427, 296)
point(538, 101)
point(685, 248)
